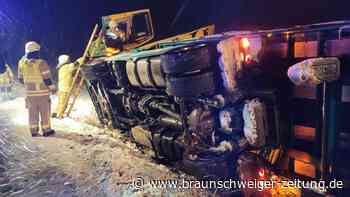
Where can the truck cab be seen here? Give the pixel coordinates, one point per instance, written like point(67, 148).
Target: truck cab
point(123, 32)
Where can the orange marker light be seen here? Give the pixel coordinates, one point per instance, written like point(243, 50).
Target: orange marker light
point(111, 51)
point(245, 43)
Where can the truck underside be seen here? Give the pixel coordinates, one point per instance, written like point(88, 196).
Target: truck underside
point(207, 104)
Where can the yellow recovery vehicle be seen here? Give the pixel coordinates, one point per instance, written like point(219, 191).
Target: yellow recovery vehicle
point(121, 33)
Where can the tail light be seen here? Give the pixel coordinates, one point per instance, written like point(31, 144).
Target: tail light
point(235, 52)
point(249, 49)
point(261, 173)
point(244, 50)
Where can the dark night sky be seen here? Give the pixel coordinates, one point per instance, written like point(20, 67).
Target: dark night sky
point(63, 26)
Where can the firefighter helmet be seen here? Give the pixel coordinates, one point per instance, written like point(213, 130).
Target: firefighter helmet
point(63, 59)
point(32, 46)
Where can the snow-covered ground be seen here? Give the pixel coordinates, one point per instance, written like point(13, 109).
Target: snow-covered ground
point(82, 120)
point(80, 160)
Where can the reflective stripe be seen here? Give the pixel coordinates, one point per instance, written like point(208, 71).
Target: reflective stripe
point(36, 87)
point(32, 79)
point(46, 126)
point(31, 71)
point(34, 126)
point(37, 91)
point(39, 94)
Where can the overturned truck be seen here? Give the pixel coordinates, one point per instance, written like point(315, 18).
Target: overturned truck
point(203, 102)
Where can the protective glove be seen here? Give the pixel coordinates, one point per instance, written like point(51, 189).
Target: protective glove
point(80, 60)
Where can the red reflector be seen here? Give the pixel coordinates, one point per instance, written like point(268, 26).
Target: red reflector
point(248, 58)
point(261, 173)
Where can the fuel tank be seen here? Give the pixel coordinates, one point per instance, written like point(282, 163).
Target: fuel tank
point(145, 73)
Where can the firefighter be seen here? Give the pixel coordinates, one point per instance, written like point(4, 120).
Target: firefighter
point(34, 73)
point(2, 88)
point(6, 82)
point(66, 70)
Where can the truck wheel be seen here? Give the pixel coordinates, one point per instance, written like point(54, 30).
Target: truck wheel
point(190, 86)
point(186, 59)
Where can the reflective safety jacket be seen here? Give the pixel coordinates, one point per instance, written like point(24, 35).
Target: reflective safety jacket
point(65, 76)
point(35, 75)
point(6, 78)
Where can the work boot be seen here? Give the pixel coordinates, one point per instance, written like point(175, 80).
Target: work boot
point(35, 134)
point(48, 132)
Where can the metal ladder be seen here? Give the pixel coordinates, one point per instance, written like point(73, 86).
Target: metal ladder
point(77, 83)
point(74, 93)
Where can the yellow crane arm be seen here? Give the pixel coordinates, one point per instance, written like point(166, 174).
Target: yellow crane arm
point(198, 33)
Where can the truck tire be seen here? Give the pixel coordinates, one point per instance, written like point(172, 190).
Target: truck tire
point(187, 59)
point(192, 85)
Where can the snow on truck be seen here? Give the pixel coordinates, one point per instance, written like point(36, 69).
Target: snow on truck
point(222, 106)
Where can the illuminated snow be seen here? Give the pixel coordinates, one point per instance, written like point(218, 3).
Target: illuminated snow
point(82, 114)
